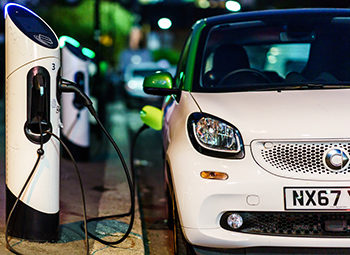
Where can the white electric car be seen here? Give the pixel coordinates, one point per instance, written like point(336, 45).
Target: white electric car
point(256, 133)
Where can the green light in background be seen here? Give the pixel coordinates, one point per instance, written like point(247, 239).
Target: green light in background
point(88, 53)
point(203, 4)
point(64, 38)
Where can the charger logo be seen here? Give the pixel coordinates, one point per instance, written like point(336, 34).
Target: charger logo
point(44, 39)
point(336, 159)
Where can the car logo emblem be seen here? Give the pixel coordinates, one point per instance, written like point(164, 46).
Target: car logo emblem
point(336, 159)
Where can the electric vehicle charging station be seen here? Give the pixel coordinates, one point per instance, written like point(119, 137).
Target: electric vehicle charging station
point(75, 117)
point(33, 91)
point(32, 69)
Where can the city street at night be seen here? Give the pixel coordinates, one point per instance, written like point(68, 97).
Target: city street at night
point(161, 127)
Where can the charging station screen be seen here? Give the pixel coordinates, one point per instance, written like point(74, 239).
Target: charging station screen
point(31, 25)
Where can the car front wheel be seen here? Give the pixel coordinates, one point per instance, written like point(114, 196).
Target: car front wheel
point(181, 246)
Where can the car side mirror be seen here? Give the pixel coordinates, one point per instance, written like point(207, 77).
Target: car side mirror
point(152, 117)
point(160, 84)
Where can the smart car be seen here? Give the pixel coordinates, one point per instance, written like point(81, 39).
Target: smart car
point(256, 133)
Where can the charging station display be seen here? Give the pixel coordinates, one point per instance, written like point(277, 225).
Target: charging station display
point(32, 109)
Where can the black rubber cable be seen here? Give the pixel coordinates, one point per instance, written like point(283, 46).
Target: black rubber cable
point(130, 184)
point(86, 240)
point(40, 152)
point(70, 129)
point(132, 147)
point(8, 246)
point(68, 86)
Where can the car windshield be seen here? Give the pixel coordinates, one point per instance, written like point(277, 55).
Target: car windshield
point(274, 55)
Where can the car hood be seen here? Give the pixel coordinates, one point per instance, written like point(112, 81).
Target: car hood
point(292, 114)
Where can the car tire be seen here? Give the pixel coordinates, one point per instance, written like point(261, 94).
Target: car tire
point(181, 246)
point(170, 219)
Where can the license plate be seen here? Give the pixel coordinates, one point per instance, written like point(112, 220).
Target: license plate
point(332, 198)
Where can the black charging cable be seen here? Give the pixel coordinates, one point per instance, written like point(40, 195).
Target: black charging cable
point(69, 86)
point(133, 145)
point(40, 153)
point(81, 189)
point(70, 129)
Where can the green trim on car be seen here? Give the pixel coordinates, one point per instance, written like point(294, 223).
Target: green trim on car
point(191, 60)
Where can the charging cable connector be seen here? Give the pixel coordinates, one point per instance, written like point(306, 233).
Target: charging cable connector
point(68, 86)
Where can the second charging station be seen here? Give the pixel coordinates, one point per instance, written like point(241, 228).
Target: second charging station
point(75, 117)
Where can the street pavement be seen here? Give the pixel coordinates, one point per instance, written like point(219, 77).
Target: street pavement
point(149, 168)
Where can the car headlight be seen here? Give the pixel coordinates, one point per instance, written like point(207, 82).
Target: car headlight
point(214, 137)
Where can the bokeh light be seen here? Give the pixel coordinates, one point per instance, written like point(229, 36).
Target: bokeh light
point(164, 23)
point(233, 6)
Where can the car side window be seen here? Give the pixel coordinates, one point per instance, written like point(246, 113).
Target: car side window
point(181, 67)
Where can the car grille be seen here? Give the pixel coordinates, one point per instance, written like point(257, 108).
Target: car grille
point(292, 224)
point(298, 159)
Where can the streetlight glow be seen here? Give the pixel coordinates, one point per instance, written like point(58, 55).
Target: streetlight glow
point(233, 6)
point(164, 23)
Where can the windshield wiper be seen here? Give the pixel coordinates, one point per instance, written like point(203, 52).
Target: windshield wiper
point(304, 85)
point(279, 86)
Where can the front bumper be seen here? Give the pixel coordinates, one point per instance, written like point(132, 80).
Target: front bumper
point(219, 238)
point(271, 250)
point(249, 188)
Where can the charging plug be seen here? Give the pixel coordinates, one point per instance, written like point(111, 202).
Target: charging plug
point(71, 87)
